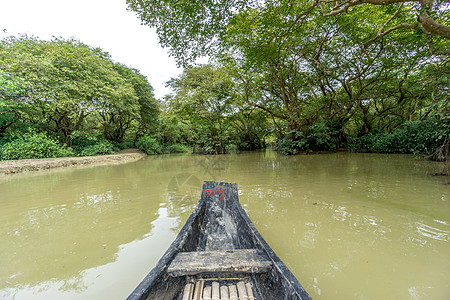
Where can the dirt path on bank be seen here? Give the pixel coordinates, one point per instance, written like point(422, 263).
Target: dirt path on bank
point(33, 165)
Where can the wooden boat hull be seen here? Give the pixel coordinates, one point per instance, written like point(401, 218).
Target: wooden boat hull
point(219, 223)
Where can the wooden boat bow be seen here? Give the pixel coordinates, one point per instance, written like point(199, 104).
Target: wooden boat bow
point(219, 254)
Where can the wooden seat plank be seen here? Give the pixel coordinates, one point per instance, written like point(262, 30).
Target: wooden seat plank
point(230, 261)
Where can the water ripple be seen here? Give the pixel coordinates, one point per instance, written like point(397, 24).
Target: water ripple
point(432, 232)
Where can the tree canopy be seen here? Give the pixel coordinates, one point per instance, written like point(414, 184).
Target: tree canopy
point(194, 28)
point(301, 75)
point(336, 69)
point(71, 91)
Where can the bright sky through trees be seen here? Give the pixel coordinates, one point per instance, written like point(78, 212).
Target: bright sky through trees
point(101, 23)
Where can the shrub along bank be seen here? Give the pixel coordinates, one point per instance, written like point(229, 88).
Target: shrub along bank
point(33, 145)
point(418, 137)
point(429, 137)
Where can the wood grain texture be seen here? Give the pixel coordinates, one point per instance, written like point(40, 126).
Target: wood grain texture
point(232, 261)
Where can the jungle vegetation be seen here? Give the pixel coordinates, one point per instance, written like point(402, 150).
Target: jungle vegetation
point(303, 76)
point(63, 98)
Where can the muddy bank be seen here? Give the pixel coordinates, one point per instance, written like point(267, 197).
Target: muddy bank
point(33, 165)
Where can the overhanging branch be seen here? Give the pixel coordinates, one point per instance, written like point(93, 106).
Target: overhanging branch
point(425, 20)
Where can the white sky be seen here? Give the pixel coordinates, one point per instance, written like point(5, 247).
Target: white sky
point(99, 23)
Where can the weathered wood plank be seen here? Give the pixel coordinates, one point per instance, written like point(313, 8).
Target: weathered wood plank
point(233, 292)
point(198, 290)
point(249, 288)
point(224, 295)
point(207, 293)
point(188, 289)
point(232, 261)
point(215, 294)
point(219, 230)
point(242, 290)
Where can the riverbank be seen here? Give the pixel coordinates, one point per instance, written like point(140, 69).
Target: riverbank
point(33, 165)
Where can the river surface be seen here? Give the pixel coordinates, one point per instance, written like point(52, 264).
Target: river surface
point(349, 226)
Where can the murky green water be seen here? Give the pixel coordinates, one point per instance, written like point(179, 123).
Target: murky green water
point(349, 226)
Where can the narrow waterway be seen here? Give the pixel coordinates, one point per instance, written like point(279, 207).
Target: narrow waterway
point(349, 226)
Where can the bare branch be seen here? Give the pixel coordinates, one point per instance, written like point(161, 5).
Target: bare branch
point(380, 32)
point(383, 33)
point(432, 26)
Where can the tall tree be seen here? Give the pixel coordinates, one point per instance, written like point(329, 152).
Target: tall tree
point(203, 96)
point(322, 71)
point(70, 83)
point(129, 112)
point(349, 66)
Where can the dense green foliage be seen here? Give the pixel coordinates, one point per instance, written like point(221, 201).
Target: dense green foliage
point(315, 76)
point(318, 137)
point(303, 76)
point(151, 146)
point(207, 107)
point(412, 137)
point(12, 88)
point(194, 28)
point(91, 147)
point(72, 92)
point(33, 145)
